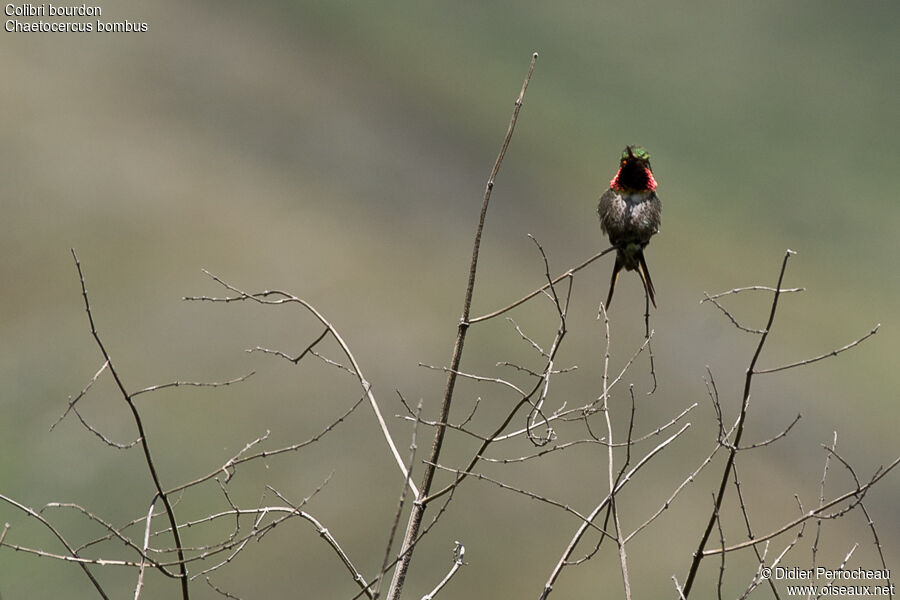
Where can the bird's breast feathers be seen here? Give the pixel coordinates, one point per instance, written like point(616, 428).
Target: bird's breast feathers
point(630, 214)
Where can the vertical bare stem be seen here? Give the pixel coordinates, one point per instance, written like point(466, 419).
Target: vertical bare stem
point(143, 436)
point(613, 480)
point(418, 509)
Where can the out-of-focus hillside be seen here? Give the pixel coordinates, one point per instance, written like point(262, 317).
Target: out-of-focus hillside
point(339, 150)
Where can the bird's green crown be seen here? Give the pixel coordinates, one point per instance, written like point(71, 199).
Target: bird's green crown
point(635, 152)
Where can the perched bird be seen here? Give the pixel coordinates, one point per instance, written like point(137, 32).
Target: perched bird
point(629, 214)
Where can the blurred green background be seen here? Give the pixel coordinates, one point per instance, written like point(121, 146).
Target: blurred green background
point(339, 150)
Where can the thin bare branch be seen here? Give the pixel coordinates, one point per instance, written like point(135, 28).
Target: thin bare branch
point(80, 394)
point(752, 288)
point(730, 316)
point(678, 588)
point(808, 361)
point(103, 438)
point(221, 592)
point(211, 384)
point(481, 378)
point(141, 569)
point(295, 359)
point(774, 439)
point(459, 552)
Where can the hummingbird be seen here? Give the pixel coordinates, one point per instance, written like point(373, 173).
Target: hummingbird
point(629, 215)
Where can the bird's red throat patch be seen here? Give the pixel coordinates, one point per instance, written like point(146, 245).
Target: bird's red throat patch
point(619, 186)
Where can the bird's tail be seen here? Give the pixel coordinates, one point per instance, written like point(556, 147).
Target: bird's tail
point(645, 278)
point(615, 275)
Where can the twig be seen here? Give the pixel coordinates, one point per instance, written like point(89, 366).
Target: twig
point(80, 394)
point(808, 361)
point(728, 314)
point(844, 562)
point(221, 592)
point(473, 377)
point(752, 288)
point(649, 335)
point(459, 551)
point(525, 337)
point(140, 581)
point(211, 384)
point(295, 359)
point(777, 437)
point(103, 438)
point(300, 356)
